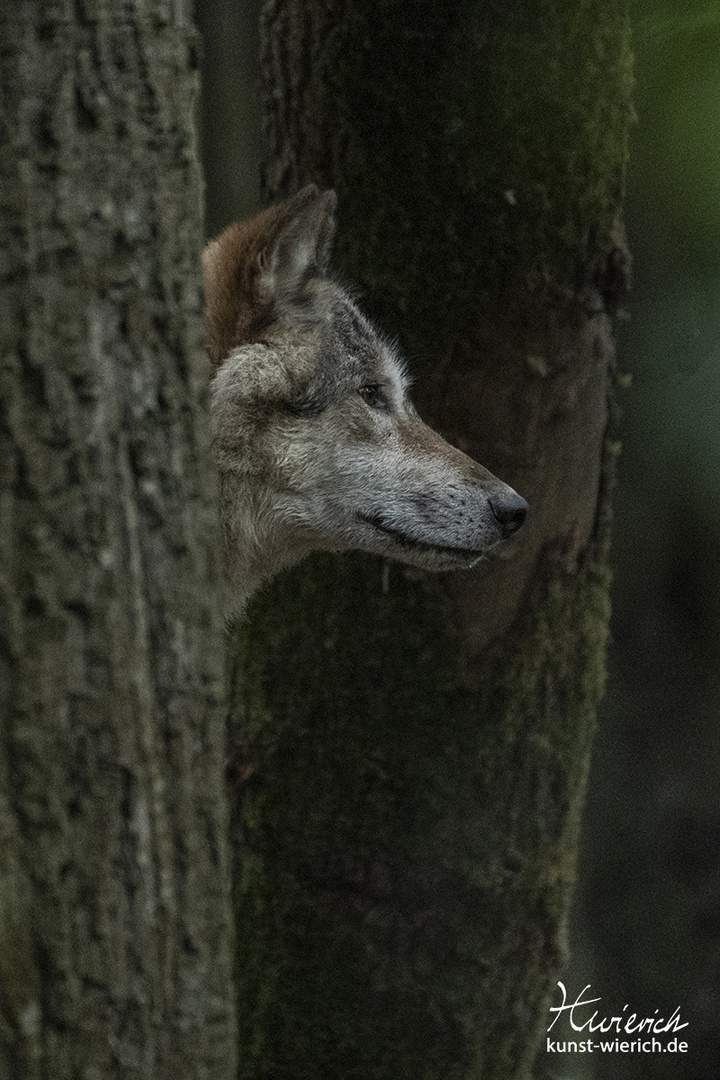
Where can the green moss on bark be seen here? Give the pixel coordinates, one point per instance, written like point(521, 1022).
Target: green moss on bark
point(398, 894)
point(408, 817)
point(493, 128)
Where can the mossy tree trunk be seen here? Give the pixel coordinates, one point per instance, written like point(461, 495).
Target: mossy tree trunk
point(414, 750)
point(115, 943)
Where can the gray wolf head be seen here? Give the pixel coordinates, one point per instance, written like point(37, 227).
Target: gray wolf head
point(317, 443)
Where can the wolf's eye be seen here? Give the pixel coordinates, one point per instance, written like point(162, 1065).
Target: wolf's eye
point(373, 396)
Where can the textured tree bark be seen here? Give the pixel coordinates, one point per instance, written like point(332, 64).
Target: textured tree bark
point(115, 929)
point(414, 751)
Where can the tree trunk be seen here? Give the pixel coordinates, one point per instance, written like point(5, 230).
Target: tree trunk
point(414, 750)
point(229, 113)
point(115, 943)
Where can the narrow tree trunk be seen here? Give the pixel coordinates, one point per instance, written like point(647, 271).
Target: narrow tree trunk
point(114, 900)
point(229, 114)
point(418, 747)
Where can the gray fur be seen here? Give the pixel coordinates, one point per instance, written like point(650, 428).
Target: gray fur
point(318, 446)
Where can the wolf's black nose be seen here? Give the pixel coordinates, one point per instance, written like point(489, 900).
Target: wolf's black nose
point(510, 511)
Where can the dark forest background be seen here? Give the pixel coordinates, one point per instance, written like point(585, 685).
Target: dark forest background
point(647, 921)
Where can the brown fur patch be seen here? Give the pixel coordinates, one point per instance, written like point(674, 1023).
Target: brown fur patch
point(230, 268)
point(235, 312)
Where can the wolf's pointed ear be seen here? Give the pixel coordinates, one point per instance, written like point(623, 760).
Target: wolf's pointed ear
point(301, 247)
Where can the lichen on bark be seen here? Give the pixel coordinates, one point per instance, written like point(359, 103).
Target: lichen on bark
point(114, 878)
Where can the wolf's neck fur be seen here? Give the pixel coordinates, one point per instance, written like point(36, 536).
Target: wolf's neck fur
point(256, 546)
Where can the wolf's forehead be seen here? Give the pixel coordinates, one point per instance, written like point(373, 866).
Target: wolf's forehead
point(368, 353)
point(349, 353)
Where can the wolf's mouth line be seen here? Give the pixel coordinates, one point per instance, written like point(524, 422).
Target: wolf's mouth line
point(410, 541)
